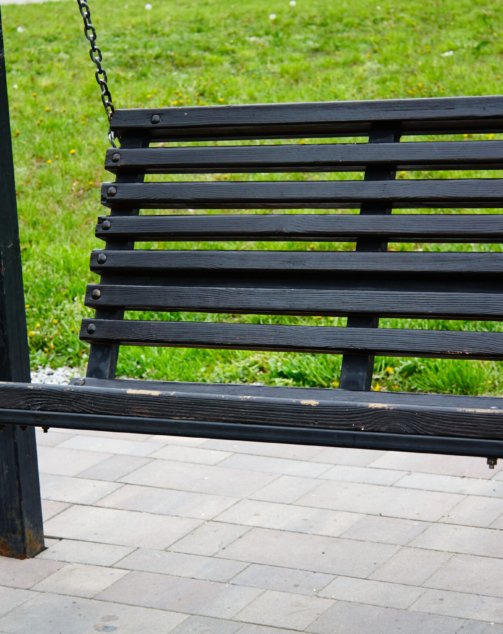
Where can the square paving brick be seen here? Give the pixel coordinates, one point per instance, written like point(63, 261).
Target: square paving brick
point(191, 596)
point(348, 473)
point(52, 438)
point(356, 618)
point(475, 511)
point(182, 565)
point(411, 565)
point(289, 517)
point(167, 502)
point(215, 480)
point(451, 484)
point(354, 457)
point(74, 490)
point(191, 454)
point(210, 538)
point(68, 462)
point(331, 555)
point(56, 614)
point(462, 466)
point(25, 573)
point(380, 500)
point(282, 466)
point(74, 551)
point(391, 595)
point(283, 579)
point(273, 450)
point(263, 629)
point(468, 606)
point(467, 573)
point(112, 445)
point(207, 625)
point(461, 539)
point(10, 598)
point(114, 467)
point(124, 528)
point(284, 609)
point(51, 508)
point(80, 580)
point(388, 530)
point(286, 489)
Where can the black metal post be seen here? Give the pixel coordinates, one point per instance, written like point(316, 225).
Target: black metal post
point(21, 526)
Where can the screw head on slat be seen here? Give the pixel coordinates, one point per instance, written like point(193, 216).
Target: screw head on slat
point(102, 258)
point(91, 329)
point(106, 224)
point(116, 157)
point(111, 191)
point(96, 294)
point(155, 119)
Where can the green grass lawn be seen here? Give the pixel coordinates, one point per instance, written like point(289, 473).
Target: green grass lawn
point(215, 52)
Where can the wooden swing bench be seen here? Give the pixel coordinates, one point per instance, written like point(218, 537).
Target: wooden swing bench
point(364, 284)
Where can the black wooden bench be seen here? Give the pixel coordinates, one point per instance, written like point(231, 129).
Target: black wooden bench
point(364, 284)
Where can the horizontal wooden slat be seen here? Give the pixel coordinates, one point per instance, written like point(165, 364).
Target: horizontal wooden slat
point(455, 114)
point(298, 301)
point(305, 158)
point(321, 339)
point(296, 262)
point(325, 194)
point(300, 227)
point(337, 410)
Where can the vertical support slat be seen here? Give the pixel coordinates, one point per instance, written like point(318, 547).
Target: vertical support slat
point(357, 369)
point(21, 528)
point(103, 358)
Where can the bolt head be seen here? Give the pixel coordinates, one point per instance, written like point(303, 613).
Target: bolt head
point(102, 258)
point(111, 191)
point(156, 118)
point(91, 329)
point(116, 157)
point(106, 224)
point(96, 294)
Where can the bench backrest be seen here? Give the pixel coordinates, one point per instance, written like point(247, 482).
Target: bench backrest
point(363, 284)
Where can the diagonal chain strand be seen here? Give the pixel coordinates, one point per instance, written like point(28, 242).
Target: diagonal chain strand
point(97, 57)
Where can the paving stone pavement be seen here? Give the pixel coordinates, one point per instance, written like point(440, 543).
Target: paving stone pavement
point(209, 536)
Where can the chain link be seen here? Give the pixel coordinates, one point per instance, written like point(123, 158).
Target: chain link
point(97, 57)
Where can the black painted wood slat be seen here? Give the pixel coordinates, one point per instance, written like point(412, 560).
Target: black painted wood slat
point(315, 339)
point(103, 359)
point(298, 301)
point(357, 369)
point(468, 417)
point(321, 157)
point(306, 227)
point(290, 262)
point(412, 116)
point(318, 194)
point(21, 528)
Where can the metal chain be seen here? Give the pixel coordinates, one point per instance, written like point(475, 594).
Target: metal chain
point(97, 57)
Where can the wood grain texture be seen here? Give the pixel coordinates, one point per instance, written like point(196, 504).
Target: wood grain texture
point(307, 227)
point(297, 261)
point(438, 115)
point(299, 301)
point(321, 339)
point(308, 158)
point(402, 194)
point(469, 417)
